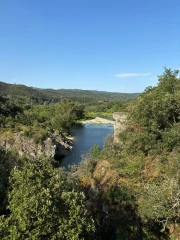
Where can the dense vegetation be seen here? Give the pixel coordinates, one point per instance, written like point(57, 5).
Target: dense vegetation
point(30, 94)
point(38, 121)
point(145, 166)
point(26, 94)
point(129, 190)
point(105, 108)
point(43, 202)
point(88, 95)
point(37, 117)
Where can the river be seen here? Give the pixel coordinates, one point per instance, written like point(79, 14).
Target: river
point(85, 137)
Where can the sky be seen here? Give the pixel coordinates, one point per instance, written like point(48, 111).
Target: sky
point(104, 45)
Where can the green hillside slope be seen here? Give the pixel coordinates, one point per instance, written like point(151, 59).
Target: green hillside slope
point(39, 94)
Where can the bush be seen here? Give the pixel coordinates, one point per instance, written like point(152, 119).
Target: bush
point(44, 203)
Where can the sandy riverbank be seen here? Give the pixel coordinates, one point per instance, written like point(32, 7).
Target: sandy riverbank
point(99, 120)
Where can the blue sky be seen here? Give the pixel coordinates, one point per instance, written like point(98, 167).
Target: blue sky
point(108, 45)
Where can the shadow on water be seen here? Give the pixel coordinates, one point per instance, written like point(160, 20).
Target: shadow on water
point(59, 158)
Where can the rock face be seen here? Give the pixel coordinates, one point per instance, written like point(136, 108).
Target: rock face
point(120, 124)
point(55, 146)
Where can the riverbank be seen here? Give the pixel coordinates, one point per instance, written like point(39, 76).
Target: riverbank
point(99, 120)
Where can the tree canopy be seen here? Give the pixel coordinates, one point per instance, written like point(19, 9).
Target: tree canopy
point(44, 203)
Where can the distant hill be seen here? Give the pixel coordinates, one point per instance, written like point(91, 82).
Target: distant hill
point(15, 91)
point(87, 94)
point(39, 94)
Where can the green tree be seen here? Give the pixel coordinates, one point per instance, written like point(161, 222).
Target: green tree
point(65, 115)
point(44, 203)
point(161, 201)
point(159, 107)
point(153, 116)
point(7, 163)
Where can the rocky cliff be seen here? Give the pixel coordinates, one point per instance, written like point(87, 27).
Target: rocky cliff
point(120, 124)
point(55, 146)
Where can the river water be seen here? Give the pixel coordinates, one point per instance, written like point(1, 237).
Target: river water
point(85, 137)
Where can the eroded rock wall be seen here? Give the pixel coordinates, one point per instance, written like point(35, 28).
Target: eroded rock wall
point(56, 145)
point(120, 124)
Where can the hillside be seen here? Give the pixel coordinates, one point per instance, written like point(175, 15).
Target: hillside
point(15, 90)
point(40, 95)
point(84, 95)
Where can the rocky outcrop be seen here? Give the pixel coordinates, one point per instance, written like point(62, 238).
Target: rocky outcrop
point(55, 146)
point(120, 124)
point(103, 180)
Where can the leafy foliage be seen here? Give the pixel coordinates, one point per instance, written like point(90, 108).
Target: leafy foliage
point(44, 203)
point(7, 162)
point(66, 114)
point(161, 201)
point(155, 117)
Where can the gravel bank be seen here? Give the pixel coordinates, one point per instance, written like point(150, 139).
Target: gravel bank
point(99, 120)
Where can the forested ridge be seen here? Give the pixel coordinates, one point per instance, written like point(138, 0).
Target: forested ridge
point(127, 190)
point(52, 95)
